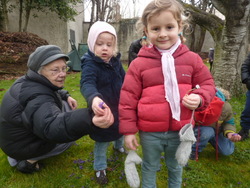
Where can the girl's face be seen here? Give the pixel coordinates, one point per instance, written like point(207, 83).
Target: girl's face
point(105, 46)
point(162, 30)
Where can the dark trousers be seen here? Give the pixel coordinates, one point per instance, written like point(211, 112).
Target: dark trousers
point(245, 115)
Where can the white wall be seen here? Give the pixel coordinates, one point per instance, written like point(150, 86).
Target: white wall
point(51, 28)
point(77, 26)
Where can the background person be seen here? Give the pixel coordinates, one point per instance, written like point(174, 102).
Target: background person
point(245, 115)
point(211, 57)
point(134, 48)
point(36, 122)
point(217, 126)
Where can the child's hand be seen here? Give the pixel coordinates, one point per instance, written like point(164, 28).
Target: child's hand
point(104, 121)
point(191, 101)
point(234, 137)
point(131, 142)
point(98, 106)
point(72, 103)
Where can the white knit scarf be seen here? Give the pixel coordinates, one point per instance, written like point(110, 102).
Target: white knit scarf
point(172, 94)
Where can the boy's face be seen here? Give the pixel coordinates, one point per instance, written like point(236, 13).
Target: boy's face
point(105, 46)
point(162, 30)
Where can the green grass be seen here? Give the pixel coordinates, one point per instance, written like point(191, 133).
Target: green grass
point(5, 84)
point(74, 168)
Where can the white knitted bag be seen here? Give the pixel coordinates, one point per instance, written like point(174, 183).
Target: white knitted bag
point(132, 176)
point(187, 139)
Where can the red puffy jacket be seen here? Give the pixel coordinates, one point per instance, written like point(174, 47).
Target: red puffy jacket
point(142, 101)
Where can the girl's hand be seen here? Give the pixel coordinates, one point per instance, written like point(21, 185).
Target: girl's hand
point(131, 142)
point(98, 106)
point(72, 103)
point(191, 101)
point(234, 137)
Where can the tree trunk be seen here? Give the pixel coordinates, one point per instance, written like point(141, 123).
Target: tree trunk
point(97, 9)
point(5, 22)
point(231, 39)
point(196, 38)
point(232, 50)
point(201, 38)
point(92, 18)
point(28, 6)
point(20, 15)
point(202, 32)
point(192, 37)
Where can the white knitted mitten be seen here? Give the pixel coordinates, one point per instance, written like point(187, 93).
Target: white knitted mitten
point(187, 139)
point(132, 176)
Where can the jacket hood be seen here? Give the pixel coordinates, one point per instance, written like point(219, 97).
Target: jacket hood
point(96, 29)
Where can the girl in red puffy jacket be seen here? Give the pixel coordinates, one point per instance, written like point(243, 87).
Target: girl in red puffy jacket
point(157, 97)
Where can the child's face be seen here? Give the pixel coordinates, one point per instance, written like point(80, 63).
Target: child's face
point(104, 46)
point(162, 30)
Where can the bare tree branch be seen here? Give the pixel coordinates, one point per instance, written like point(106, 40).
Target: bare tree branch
point(208, 21)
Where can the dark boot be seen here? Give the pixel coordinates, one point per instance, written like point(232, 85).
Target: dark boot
point(26, 167)
point(192, 155)
point(101, 177)
point(121, 150)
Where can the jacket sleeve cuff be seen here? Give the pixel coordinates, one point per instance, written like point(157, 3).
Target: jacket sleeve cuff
point(227, 131)
point(201, 105)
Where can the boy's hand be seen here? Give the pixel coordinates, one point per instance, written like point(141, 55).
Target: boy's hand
point(234, 137)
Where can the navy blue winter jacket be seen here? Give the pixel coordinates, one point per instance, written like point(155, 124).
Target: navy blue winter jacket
point(105, 81)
